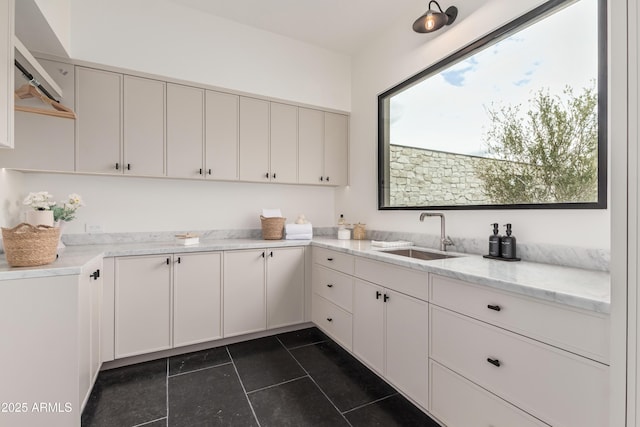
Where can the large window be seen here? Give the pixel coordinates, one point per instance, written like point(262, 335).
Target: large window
point(514, 120)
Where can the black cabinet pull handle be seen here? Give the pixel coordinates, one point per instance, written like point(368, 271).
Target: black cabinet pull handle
point(494, 307)
point(378, 294)
point(167, 261)
point(266, 175)
point(329, 285)
point(327, 179)
point(329, 259)
point(95, 274)
point(128, 166)
point(200, 171)
point(321, 178)
point(386, 298)
point(494, 362)
point(209, 171)
point(117, 166)
point(262, 254)
point(329, 319)
point(271, 254)
point(273, 175)
point(179, 260)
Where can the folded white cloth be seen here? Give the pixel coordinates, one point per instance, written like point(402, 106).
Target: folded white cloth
point(394, 244)
point(299, 236)
point(298, 228)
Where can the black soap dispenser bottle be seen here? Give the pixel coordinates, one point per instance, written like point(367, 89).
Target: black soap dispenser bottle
point(494, 242)
point(508, 245)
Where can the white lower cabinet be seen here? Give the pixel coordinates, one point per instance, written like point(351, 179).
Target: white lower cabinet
point(142, 304)
point(197, 288)
point(333, 320)
point(558, 387)
point(49, 329)
point(166, 301)
point(457, 402)
point(263, 288)
point(390, 335)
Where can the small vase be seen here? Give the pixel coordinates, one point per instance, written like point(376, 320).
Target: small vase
point(40, 217)
point(60, 225)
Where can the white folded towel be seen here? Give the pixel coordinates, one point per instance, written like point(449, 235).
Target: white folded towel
point(291, 229)
point(299, 236)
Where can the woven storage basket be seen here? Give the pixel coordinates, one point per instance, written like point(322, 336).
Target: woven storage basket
point(272, 228)
point(27, 246)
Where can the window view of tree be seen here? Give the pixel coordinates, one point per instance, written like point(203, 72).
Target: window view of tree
point(546, 155)
point(517, 118)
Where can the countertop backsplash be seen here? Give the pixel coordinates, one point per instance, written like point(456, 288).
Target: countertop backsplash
point(586, 258)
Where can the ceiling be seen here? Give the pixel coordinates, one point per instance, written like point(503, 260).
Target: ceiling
point(338, 25)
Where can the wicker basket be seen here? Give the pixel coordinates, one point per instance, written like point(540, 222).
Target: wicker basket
point(26, 245)
point(272, 228)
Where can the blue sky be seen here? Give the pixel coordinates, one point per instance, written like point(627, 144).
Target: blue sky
point(447, 112)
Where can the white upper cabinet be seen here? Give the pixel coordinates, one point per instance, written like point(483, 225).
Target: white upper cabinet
point(254, 139)
point(99, 122)
point(323, 147)
point(336, 149)
point(6, 73)
point(144, 141)
point(221, 140)
point(284, 143)
point(185, 131)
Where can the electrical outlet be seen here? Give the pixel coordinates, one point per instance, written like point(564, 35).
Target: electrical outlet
point(93, 228)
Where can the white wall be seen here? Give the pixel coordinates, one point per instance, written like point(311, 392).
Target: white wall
point(58, 15)
point(169, 39)
point(123, 204)
point(393, 57)
point(11, 190)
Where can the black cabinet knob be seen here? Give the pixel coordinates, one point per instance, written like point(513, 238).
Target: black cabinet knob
point(494, 307)
point(266, 175)
point(117, 166)
point(494, 362)
point(327, 179)
point(329, 285)
point(321, 178)
point(329, 319)
point(329, 259)
point(209, 171)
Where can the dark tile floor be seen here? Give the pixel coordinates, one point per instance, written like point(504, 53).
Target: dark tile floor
point(300, 378)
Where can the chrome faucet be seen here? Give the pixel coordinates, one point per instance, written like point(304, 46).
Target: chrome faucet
point(444, 239)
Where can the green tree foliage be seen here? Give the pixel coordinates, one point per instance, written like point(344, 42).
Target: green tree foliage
point(548, 154)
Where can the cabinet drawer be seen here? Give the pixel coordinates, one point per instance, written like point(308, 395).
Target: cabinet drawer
point(582, 332)
point(332, 259)
point(410, 282)
point(333, 320)
point(558, 387)
point(334, 286)
point(481, 408)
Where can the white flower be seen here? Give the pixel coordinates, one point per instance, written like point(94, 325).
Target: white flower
point(39, 201)
point(75, 201)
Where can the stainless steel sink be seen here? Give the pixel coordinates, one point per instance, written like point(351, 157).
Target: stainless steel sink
point(422, 254)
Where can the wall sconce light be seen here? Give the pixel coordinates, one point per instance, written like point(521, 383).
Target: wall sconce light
point(433, 20)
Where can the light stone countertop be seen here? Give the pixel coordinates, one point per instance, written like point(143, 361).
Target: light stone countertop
point(574, 287)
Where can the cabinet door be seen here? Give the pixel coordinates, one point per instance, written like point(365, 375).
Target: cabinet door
point(6, 73)
point(310, 146)
point(284, 143)
point(142, 304)
point(336, 148)
point(197, 282)
point(254, 140)
point(98, 126)
point(368, 324)
point(52, 138)
point(285, 287)
point(144, 101)
point(406, 323)
point(185, 131)
point(244, 292)
point(222, 143)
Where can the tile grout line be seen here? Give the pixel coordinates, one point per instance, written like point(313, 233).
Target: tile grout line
point(279, 384)
point(314, 382)
point(370, 403)
point(233, 363)
point(304, 345)
point(149, 422)
point(167, 385)
point(198, 370)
